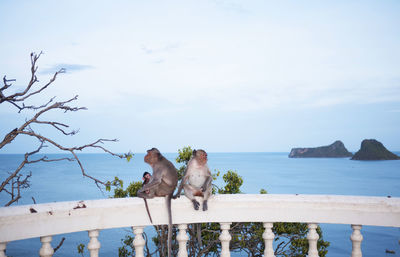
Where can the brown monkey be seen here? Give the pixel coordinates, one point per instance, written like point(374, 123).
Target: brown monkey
point(146, 179)
point(163, 183)
point(197, 179)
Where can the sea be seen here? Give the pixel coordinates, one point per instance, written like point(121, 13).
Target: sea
point(274, 172)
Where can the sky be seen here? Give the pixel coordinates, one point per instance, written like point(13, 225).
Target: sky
point(224, 76)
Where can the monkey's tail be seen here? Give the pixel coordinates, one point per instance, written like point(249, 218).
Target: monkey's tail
point(169, 197)
point(147, 209)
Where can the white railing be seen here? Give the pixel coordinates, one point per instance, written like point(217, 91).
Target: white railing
point(46, 220)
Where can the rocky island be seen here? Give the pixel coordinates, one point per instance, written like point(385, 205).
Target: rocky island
point(335, 150)
point(372, 149)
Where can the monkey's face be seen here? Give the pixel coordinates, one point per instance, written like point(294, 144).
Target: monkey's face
point(152, 156)
point(201, 156)
point(146, 178)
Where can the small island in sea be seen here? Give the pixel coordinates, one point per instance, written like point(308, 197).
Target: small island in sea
point(372, 149)
point(335, 150)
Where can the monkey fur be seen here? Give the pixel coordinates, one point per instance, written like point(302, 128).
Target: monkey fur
point(197, 179)
point(146, 180)
point(163, 183)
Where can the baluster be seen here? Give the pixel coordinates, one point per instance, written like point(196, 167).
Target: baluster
point(3, 246)
point(46, 250)
point(268, 237)
point(312, 237)
point(138, 242)
point(94, 244)
point(356, 238)
point(182, 238)
point(225, 238)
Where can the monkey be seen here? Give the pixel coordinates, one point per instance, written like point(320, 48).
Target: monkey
point(163, 183)
point(146, 178)
point(197, 179)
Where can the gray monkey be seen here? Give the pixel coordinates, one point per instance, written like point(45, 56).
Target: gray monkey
point(146, 179)
point(197, 179)
point(163, 183)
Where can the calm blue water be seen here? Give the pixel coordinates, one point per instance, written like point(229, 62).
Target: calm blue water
point(275, 172)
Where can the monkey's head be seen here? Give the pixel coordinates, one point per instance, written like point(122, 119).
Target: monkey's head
point(146, 177)
point(200, 156)
point(152, 156)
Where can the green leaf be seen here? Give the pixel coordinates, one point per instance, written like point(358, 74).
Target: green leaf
point(108, 186)
point(81, 248)
point(128, 156)
point(184, 155)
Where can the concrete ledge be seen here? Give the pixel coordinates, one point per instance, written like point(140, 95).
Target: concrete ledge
point(28, 221)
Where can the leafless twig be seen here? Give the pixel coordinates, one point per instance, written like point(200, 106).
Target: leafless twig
point(16, 181)
point(59, 245)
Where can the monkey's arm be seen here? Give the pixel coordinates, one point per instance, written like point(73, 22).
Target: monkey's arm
point(206, 184)
point(183, 182)
point(152, 184)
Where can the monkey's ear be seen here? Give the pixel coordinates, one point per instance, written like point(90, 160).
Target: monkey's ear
point(194, 152)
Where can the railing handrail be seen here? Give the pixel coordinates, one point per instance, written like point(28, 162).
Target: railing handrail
point(36, 220)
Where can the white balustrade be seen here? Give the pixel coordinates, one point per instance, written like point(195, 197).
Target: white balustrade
point(182, 238)
point(3, 249)
point(356, 239)
point(94, 244)
point(312, 237)
point(225, 238)
point(138, 242)
point(18, 222)
point(46, 250)
point(268, 237)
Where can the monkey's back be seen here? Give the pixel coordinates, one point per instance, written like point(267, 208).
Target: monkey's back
point(170, 179)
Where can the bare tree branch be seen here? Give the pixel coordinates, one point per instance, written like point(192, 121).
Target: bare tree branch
point(5, 82)
point(42, 88)
point(15, 181)
point(13, 97)
point(25, 94)
point(59, 245)
point(58, 105)
point(16, 186)
point(56, 125)
point(32, 107)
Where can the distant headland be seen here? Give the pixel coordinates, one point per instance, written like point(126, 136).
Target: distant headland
point(372, 149)
point(335, 150)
